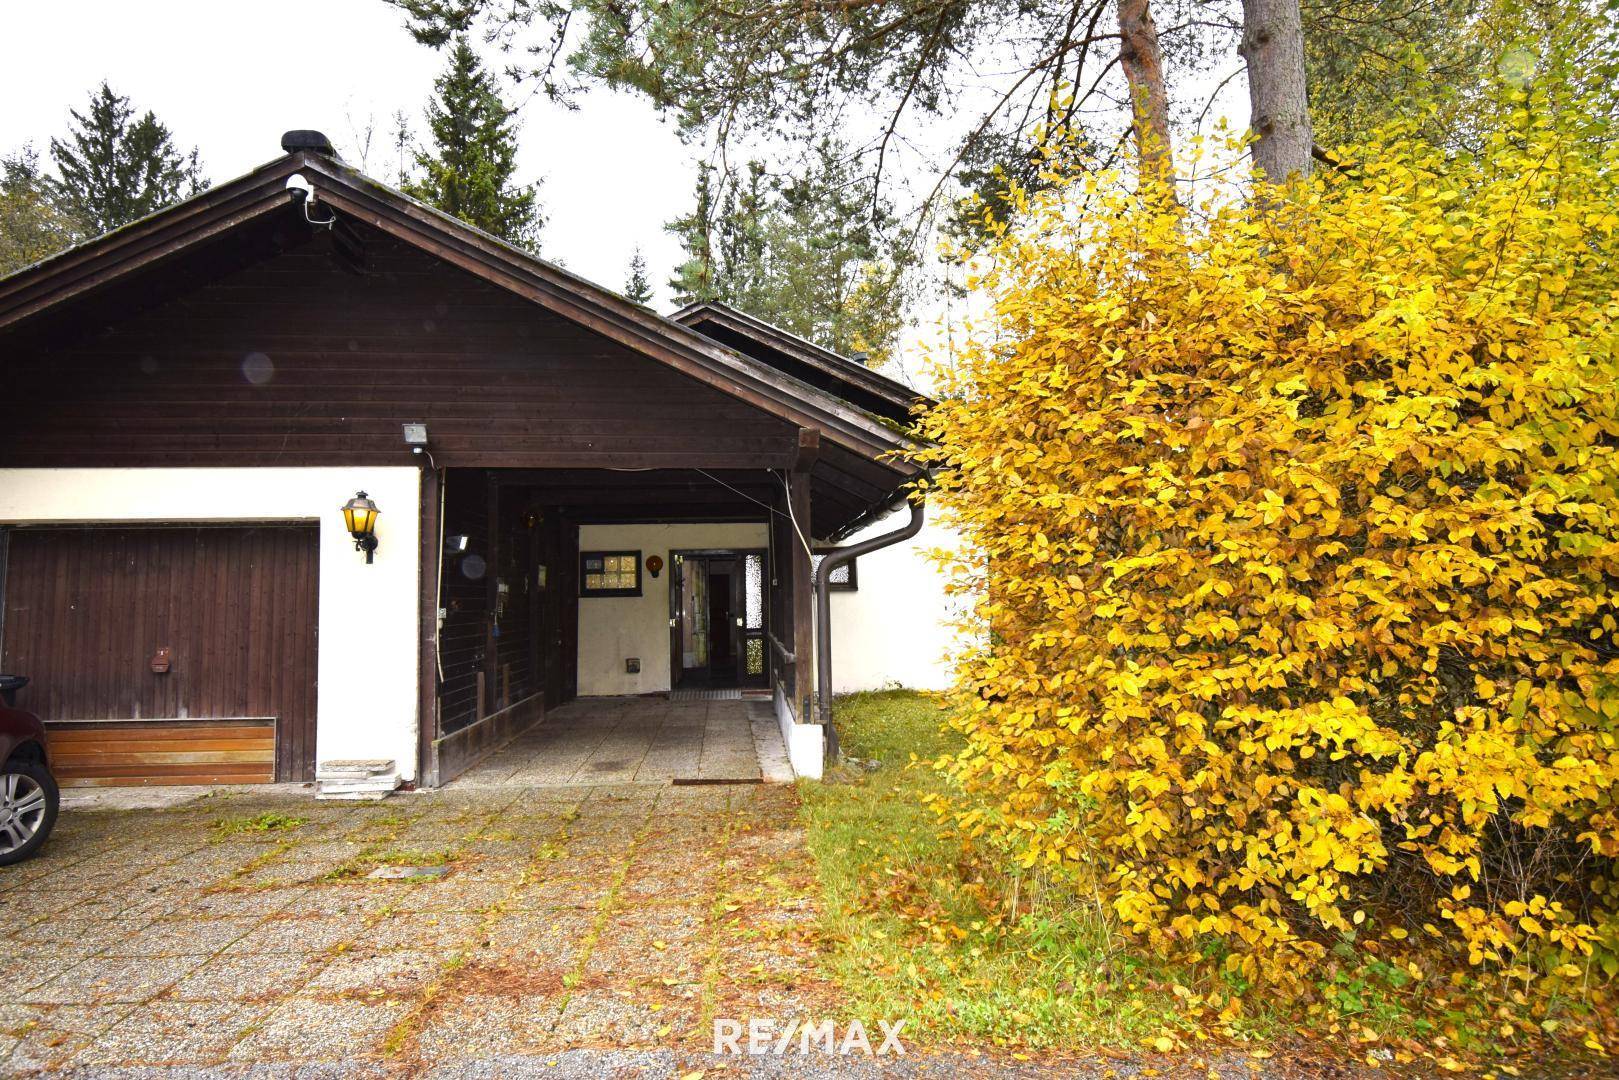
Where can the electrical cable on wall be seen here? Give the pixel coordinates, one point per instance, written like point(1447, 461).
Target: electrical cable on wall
point(808, 550)
point(802, 539)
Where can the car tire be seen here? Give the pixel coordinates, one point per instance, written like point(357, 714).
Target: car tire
point(21, 783)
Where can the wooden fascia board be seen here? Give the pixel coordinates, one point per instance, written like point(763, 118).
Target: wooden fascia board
point(808, 353)
point(103, 261)
point(856, 488)
point(640, 331)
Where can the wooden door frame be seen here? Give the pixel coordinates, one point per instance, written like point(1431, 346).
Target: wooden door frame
point(739, 555)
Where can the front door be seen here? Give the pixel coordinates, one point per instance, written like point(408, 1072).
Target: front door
point(717, 618)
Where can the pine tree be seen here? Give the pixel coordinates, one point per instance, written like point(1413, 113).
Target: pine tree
point(474, 155)
point(638, 289)
point(32, 226)
point(725, 237)
point(805, 253)
point(113, 168)
point(694, 279)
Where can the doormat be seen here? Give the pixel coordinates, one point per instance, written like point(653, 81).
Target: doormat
point(733, 694)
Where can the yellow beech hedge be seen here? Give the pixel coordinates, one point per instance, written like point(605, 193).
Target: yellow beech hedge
point(1294, 521)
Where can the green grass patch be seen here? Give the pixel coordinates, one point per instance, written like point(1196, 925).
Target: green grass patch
point(271, 821)
point(922, 927)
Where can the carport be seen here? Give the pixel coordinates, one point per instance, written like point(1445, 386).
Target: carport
point(648, 739)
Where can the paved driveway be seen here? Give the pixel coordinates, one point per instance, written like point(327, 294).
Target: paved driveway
point(616, 740)
point(248, 928)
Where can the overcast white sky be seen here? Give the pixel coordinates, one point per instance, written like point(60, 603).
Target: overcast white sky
point(229, 77)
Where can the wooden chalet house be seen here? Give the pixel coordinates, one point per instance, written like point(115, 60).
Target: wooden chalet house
point(572, 494)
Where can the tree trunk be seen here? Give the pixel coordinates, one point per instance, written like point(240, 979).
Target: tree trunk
point(1273, 48)
point(1143, 63)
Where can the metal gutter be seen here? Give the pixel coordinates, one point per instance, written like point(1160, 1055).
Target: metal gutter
point(823, 612)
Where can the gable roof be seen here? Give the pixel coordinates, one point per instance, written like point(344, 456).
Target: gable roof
point(94, 267)
point(785, 351)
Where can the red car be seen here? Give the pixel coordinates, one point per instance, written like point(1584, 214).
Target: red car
point(28, 794)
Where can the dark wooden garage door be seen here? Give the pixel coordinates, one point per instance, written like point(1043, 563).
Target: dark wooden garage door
point(87, 611)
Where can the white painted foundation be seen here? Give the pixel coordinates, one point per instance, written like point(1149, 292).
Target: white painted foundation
point(806, 743)
point(368, 668)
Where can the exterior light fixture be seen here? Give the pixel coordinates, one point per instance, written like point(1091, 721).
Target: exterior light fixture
point(654, 563)
point(416, 439)
point(360, 515)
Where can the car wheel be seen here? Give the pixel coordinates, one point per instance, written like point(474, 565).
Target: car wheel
point(28, 804)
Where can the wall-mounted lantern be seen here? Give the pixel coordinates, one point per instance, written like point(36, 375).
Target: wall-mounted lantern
point(654, 564)
point(360, 515)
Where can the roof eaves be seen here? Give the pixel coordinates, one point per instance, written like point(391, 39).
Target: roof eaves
point(120, 251)
point(772, 335)
point(157, 235)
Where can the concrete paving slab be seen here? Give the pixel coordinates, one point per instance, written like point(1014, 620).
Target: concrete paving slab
point(171, 1033)
point(321, 1030)
point(388, 974)
point(638, 740)
point(103, 980)
point(266, 977)
point(296, 934)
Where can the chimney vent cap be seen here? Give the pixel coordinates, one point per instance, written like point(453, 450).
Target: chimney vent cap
point(302, 139)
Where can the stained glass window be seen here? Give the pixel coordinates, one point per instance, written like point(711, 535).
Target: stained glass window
point(610, 573)
point(754, 571)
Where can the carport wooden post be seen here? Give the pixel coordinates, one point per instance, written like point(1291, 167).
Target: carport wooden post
point(432, 547)
point(800, 573)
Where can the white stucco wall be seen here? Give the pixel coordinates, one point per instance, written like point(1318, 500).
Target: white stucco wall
point(895, 629)
point(367, 699)
point(612, 629)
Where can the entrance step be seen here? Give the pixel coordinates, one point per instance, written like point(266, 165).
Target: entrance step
point(357, 779)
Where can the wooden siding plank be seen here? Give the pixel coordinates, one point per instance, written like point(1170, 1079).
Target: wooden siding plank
point(499, 381)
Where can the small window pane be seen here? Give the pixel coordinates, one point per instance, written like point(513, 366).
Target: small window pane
point(754, 568)
point(843, 578)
